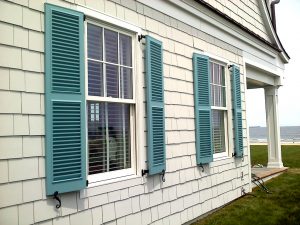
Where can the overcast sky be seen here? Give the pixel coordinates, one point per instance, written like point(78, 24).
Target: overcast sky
point(288, 28)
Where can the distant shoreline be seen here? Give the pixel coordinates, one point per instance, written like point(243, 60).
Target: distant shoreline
point(282, 143)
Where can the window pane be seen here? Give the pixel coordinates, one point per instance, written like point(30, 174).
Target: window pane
point(118, 130)
point(94, 34)
point(223, 75)
point(218, 131)
point(95, 78)
point(126, 78)
point(111, 46)
point(97, 138)
point(125, 50)
point(216, 74)
point(112, 81)
point(108, 137)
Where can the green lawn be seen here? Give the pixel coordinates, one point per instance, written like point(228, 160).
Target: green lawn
point(282, 207)
point(290, 155)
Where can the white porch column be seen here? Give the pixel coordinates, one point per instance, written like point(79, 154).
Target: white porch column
point(273, 128)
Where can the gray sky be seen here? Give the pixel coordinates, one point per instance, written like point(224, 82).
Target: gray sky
point(288, 28)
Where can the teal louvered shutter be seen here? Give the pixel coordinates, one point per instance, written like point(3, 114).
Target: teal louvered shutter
point(155, 106)
point(237, 111)
point(65, 103)
point(204, 153)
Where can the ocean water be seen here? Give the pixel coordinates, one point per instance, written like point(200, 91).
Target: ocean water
point(287, 133)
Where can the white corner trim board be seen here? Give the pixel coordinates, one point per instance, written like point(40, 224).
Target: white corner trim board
point(92, 13)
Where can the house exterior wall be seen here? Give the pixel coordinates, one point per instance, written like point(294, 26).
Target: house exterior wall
point(245, 12)
point(187, 192)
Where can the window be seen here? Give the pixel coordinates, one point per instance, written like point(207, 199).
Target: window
point(109, 100)
point(219, 108)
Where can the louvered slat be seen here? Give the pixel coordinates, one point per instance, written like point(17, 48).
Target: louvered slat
point(155, 106)
point(237, 111)
point(202, 109)
point(65, 104)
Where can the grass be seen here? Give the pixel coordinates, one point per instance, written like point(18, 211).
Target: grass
point(282, 207)
point(290, 155)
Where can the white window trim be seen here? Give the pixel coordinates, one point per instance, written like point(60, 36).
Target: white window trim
point(106, 19)
point(133, 31)
point(228, 115)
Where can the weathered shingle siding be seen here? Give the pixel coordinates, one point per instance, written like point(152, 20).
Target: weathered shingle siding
point(187, 192)
point(245, 12)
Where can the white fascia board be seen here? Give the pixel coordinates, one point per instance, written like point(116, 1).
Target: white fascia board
point(270, 29)
point(94, 14)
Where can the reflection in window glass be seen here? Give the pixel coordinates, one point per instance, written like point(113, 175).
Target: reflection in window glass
point(108, 137)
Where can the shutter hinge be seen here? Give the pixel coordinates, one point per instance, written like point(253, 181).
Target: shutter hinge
point(144, 172)
point(140, 37)
point(56, 197)
point(201, 165)
point(87, 182)
point(229, 66)
point(84, 17)
point(163, 173)
point(233, 154)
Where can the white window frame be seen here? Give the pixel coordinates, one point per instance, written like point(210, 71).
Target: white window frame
point(105, 21)
point(227, 110)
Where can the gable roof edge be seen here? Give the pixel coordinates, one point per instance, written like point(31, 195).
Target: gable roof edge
point(277, 44)
point(271, 30)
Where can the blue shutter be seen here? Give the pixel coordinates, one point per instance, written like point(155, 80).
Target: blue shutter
point(65, 103)
point(237, 111)
point(155, 106)
point(204, 153)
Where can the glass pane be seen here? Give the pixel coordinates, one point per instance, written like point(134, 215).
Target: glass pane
point(111, 46)
point(125, 50)
point(218, 132)
point(97, 138)
point(112, 81)
point(211, 73)
point(95, 78)
point(223, 75)
point(118, 136)
point(216, 74)
point(94, 36)
point(126, 78)
point(224, 96)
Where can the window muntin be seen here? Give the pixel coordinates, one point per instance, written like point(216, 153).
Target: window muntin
point(219, 107)
point(109, 100)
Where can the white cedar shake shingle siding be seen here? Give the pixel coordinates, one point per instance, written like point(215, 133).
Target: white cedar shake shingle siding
point(245, 12)
point(187, 192)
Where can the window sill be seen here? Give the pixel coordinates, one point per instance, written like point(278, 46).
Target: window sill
point(105, 186)
point(220, 156)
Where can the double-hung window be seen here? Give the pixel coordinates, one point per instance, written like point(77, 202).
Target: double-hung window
point(218, 109)
point(90, 99)
point(109, 101)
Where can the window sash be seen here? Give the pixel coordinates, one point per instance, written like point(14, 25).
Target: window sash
point(101, 177)
point(104, 63)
